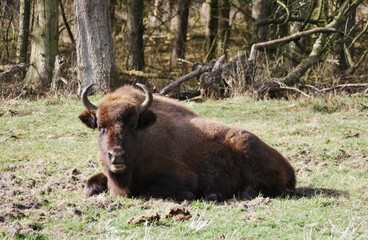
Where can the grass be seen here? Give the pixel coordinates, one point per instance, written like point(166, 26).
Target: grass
point(46, 155)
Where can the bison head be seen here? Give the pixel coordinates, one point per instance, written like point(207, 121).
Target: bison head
point(118, 118)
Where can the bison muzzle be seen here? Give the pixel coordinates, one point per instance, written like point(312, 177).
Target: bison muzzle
point(154, 147)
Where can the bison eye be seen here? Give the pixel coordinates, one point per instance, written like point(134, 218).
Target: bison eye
point(102, 130)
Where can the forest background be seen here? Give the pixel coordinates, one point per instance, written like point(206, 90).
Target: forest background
point(262, 47)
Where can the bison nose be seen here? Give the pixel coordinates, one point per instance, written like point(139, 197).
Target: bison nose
point(116, 157)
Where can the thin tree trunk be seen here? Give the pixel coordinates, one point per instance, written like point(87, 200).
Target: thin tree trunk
point(342, 50)
point(95, 55)
point(66, 24)
point(261, 9)
point(223, 27)
point(181, 31)
point(135, 35)
point(44, 45)
point(212, 29)
point(22, 45)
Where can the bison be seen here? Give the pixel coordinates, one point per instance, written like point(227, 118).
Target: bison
point(154, 147)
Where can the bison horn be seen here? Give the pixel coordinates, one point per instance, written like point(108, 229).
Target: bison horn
point(148, 101)
point(85, 100)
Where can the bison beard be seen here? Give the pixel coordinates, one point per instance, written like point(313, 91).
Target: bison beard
point(151, 146)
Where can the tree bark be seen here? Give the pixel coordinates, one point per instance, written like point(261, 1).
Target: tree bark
point(44, 45)
point(95, 55)
point(22, 45)
point(135, 35)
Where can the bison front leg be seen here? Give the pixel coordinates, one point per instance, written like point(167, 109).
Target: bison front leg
point(169, 187)
point(248, 193)
point(96, 185)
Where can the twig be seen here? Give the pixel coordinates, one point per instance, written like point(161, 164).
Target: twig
point(313, 87)
point(344, 85)
point(139, 74)
point(182, 60)
point(283, 86)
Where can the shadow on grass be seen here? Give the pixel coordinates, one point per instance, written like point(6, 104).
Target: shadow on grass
point(308, 192)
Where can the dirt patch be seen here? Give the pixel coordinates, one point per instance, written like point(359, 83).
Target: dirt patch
point(145, 218)
point(176, 213)
point(27, 202)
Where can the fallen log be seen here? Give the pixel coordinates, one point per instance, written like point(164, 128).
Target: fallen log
point(13, 70)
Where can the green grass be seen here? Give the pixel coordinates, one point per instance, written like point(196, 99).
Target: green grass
point(46, 155)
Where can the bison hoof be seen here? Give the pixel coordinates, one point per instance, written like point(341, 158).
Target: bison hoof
point(214, 197)
point(93, 190)
point(95, 185)
point(187, 195)
point(249, 193)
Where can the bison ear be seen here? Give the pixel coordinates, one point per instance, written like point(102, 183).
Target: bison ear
point(146, 119)
point(88, 118)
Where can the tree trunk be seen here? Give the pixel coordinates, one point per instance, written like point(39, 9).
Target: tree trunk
point(66, 24)
point(297, 49)
point(135, 35)
point(95, 55)
point(342, 49)
point(223, 27)
point(261, 9)
point(22, 45)
point(181, 31)
point(211, 29)
point(44, 45)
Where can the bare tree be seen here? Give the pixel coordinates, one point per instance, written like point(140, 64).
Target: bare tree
point(44, 45)
point(95, 55)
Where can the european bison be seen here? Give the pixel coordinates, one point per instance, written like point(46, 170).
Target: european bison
point(152, 146)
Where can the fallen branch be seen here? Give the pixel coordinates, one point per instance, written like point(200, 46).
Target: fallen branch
point(351, 85)
point(283, 86)
point(293, 37)
point(197, 72)
point(15, 69)
point(137, 73)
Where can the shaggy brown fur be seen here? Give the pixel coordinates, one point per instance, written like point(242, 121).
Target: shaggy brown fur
point(170, 152)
